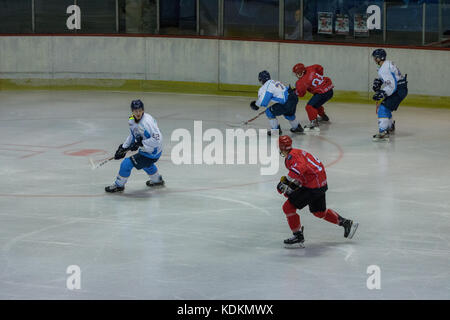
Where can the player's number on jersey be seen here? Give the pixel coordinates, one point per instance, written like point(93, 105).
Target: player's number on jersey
point(155, 136)
point(316, 163)
point(279, 85)
point(317, 81)
point(397, 70)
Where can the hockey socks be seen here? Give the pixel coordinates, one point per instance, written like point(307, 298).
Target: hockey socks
point(321, 111)
point(384, 124)
point(292, 217)
point(312, 112)
point(156, 177)
point(273, 123)
point(294, 123)
point(329, 215)
point(120, 181)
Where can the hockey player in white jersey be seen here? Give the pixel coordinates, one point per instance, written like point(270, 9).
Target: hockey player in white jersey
point(285, 102)
point(395, 89)
point(145, 136)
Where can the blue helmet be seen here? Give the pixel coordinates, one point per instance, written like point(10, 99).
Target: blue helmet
point(263, 76)
point(380, 54)
point(137, 104)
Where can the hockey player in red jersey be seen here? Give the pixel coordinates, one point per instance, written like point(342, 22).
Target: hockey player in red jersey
point(305, 185)
point(311, 79)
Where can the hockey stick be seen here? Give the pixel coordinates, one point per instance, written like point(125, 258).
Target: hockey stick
point(248, 121)
point(101, 163)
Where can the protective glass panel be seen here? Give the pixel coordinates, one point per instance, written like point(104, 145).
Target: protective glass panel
point(293, 26)
point(178, 17)
point(137, 16)
point(97, 16)
point(51, 16)
point(404, 22)
point(251, 19)
point(335, 20)
point(209, 16)
point(15, 16)
point(444, 23)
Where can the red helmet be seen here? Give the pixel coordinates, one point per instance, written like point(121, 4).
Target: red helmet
point(285, 143)
point(299, 68)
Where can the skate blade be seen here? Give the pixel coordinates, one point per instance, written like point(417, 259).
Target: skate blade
point(158, 184)
point(380, 140)
point(294, 246)
point(315, 129)
point(118, 191)
point(353, 230)
point(376, 139)
point(312, 133)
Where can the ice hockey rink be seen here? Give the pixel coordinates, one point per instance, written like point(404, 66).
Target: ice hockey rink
point(216, 231)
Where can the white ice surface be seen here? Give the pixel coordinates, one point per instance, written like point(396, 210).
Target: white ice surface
point(216, 231)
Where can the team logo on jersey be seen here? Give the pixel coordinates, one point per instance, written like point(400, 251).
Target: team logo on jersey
point(289, 157)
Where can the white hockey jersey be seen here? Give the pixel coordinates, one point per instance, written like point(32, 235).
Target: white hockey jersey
point(147, 128)
point(390, 75)
point(272, 91)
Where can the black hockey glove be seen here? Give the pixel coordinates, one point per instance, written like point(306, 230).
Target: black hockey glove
point(286, 186)
point(120, 153)
point(254, 106)
point(281, 187)
point(377, 83)
point(379, 95)
point(135, 145)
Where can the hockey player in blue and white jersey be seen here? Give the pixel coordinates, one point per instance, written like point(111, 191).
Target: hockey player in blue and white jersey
point(389, 97)
point(285, 102)
point(145, 136)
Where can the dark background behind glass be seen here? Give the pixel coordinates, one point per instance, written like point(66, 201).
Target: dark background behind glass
point(178, 17)
point(15, 16)
point(97, 16)
point(209, 18)
point(251, 18)
point(51, 16)
point(245, 19)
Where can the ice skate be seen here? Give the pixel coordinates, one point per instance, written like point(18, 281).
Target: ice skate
point(349, 228)
point(299, 129)
point(269, 132)
point(296, 241)
point(381, 136)
point(313, 126)
point(114, 188)
point(323, 118)
point(151, 183)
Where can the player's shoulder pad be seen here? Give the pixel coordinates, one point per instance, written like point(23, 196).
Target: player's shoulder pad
point(270, 82)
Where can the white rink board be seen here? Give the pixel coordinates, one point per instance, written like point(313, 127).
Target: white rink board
point(212, 61)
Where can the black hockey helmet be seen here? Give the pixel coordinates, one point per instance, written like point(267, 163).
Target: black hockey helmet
point(379, 54)
point(137, 104)
point(263, 76)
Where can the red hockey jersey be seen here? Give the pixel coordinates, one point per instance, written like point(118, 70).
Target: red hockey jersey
point(313, 81)
point(306, 168)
